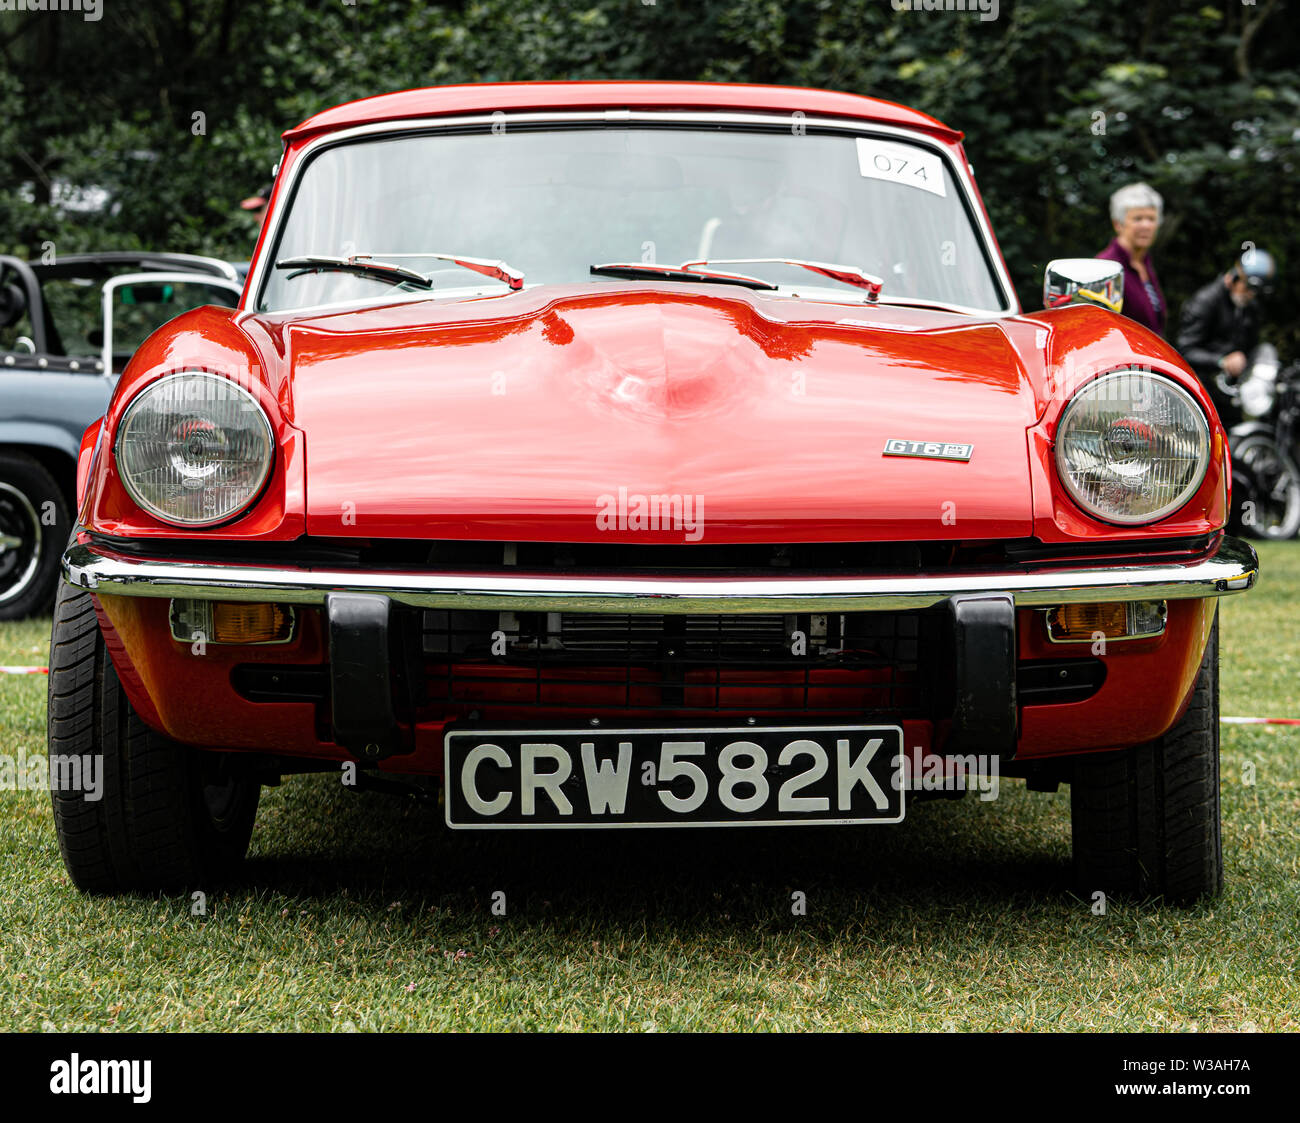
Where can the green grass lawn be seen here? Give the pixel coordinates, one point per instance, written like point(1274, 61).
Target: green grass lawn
point(361, 911)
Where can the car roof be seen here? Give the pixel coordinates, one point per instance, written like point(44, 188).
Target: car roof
point(112, 262)
point(525, 96)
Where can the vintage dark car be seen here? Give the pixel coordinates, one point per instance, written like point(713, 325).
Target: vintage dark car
point(68, 326)
point(645, 455)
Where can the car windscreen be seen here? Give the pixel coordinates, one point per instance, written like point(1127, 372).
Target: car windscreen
point(141, 308)
point(553, 202)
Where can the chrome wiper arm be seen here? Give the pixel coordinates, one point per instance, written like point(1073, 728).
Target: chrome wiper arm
point(847, 274)
point(357, 264)
point(498, 270)
point(637, 270)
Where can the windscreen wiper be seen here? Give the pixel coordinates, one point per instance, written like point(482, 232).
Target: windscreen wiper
point(634, 271)
point(368, 265)
point(847, 274)
point(379, 270)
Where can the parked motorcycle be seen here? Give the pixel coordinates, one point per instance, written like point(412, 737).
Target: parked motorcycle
point(1265, 478)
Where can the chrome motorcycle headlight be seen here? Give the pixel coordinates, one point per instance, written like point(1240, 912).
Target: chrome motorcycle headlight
point(1258, 392)
point(1132, 447)
point(194, 449)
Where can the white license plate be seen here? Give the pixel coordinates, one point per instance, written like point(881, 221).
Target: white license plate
point(737, 776)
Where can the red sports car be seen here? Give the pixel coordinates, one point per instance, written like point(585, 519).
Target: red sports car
point(644, 455)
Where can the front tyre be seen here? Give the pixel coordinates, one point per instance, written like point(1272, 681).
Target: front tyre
point(167, 816)
point(1146, 821)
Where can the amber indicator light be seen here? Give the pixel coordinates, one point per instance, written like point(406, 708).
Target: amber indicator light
point(1083, 621)
point(250, 623)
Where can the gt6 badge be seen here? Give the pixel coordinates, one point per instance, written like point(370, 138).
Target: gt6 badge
point(928, 450)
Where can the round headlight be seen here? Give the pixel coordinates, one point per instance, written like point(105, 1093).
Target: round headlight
point(1132, 447)
point(1258, 392)
point(194, 448)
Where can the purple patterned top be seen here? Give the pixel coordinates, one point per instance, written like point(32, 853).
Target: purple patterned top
point(1137, 302)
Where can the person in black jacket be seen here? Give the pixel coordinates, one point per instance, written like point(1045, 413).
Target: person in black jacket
point(1219, 326)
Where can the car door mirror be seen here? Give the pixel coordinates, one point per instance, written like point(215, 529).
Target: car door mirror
point(1083, 280)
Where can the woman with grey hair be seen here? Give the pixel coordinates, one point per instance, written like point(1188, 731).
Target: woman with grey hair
point(1135, 212)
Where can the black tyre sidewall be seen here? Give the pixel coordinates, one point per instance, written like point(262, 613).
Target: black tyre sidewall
point(151, 830)
point(1291, 523)
point(1134, 838)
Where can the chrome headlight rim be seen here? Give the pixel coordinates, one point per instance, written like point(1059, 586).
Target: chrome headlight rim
point(1189, 490)
point(226, 385)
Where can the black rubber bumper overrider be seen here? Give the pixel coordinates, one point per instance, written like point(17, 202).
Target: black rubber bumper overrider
point(984, 650)
point(360, 682)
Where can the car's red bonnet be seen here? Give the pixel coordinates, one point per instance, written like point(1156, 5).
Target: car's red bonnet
point(522, 418)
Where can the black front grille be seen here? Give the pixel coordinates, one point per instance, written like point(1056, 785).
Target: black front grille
point(884, 664)
point(499, 666)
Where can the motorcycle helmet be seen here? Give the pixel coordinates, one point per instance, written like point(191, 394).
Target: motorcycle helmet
point(1257, 268)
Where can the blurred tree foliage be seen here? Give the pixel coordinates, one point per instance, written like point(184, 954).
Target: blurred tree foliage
point(146, 127)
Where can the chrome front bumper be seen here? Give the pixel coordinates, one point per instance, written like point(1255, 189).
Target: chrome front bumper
point(1233, 568)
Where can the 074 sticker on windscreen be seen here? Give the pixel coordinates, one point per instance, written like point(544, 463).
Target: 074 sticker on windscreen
point(901, 163)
